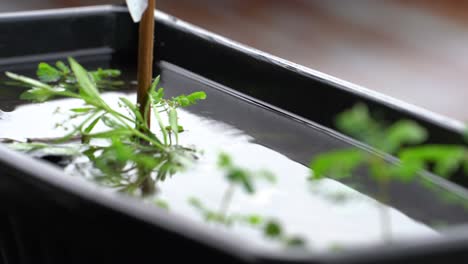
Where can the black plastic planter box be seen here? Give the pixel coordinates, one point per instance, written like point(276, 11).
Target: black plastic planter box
point(47, 217)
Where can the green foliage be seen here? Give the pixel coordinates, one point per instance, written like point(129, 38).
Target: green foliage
point(191, 99)
point(47, 73)
point(446, 159)
point(240, 176)
point(270, 228)
point(243, 178)
point(169, 106)
point(402, 133)
point(396, 139)
point(340, 163)
point(39, 91)
point(357, 122)
point(60, 78)
point(131, 146)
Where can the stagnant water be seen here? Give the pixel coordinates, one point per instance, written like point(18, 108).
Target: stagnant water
point(301, 209)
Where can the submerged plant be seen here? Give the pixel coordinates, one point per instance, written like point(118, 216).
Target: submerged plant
point(241, 178)
point(129, 144)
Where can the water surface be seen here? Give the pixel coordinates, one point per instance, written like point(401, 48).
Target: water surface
point(302, 210)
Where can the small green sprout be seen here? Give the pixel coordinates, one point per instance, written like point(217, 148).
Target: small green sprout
point(238, 177)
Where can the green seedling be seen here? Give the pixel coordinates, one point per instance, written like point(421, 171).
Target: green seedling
point(131, 145)
point(391, 139)
point(60, 75)
point(403, 139)
point(243, 179)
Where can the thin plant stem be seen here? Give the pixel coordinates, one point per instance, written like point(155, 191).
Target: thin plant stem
point(226, 200)
point(161, 126)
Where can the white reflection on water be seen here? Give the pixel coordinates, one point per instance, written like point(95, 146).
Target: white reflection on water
point(320, 221)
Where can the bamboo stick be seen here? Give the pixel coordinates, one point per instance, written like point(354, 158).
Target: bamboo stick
point(145, 58)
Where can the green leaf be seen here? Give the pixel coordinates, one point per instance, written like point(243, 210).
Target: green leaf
point(104, 74)
point(358, 123)
point(254, 220)
point(446, 158)
point(174, 123)
point(28, 81)
point(122, 152)
point(403, 132)
point(38, 94)
point(113, 133)
point(180, 129)
point(157, 95)
point(88, 88)
point(379, 169)
point(155, 83)
point(83, 109)
point(336, 164)
point(224, 160)
point(191, 99)
point(134, 109)
point(91, 126)
point(406, 170)
point(110, 122)
point(146, 161)
point(48, 73)
point(240, 176)
point(182, 101)
point(61, 151)
point(61, 66)
point(160, 123)
point(90, 153)
point(272, 229)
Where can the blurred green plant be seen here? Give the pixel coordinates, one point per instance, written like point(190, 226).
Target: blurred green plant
point(397, 139)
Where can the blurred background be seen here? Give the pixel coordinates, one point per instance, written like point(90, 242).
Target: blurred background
point(415, 50)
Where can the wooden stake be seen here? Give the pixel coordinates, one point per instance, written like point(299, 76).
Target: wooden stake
point(144, 78)
point(145, 58)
